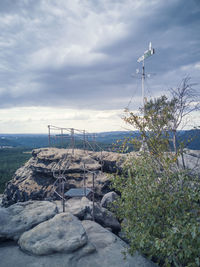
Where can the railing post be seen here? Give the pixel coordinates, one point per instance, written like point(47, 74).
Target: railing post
point(49, 136)
point(84, 141)
point(61, 137)
point(63, 196)
point(72, 140)
point(94, 141)
point(93, 197)
point(84, 183)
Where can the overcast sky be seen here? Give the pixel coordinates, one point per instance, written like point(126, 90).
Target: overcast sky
point(69, 63)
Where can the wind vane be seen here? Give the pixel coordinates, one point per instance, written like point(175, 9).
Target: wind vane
point(147, 53)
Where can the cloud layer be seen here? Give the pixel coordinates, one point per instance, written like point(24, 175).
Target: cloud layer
point(80, 55)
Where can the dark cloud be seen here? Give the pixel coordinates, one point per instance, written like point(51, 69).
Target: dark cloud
point(55, 55)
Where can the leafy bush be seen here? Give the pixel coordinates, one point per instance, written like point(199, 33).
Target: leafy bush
point(160, 201)
point(160, 211)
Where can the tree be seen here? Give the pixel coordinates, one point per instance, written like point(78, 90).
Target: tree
point(159, 203)
point(186, 101)
point(154, 126)
point(163, 117)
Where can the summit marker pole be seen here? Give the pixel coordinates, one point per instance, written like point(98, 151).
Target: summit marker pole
point(146, 54)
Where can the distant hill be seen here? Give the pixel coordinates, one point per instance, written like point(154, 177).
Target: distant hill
point(191, 138)
point(24, 140)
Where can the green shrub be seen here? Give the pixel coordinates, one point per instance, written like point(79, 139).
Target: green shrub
point(160, 210)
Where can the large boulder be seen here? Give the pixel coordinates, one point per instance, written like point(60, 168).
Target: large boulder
point(59, 239)
point(34, 181)
point(23, 216)
point(102, 249)
point(63, 233)
point(83, 209)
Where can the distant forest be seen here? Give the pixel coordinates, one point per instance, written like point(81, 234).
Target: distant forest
point(11, 159)
point(106, 140)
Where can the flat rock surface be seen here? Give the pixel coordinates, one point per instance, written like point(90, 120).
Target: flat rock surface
point(191, 160)
point(22, 216)
point(109, 249)
point(12, 256)
point(63, 233)
point(102, 249)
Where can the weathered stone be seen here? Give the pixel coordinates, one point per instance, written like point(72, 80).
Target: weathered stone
point(1, 197)
point(79, 207)
point(109, 250)
point(63, 233)
point(34, 181)
point(83, 209)
point(76, 243)
point(106, 218)
point(108, 199)
point(111, 161)
point(11, 255)
point(22, 216)
point(191, 161)
point(101, 250)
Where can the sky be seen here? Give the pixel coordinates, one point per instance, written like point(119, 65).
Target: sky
point(73, 63)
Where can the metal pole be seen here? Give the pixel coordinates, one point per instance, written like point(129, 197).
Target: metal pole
point(94, 141)
point(72, 139)
point(61, 137)
point(84, 141)
point(49, 136)
point(93, 196)
point(143, 78)
point(87, 138)
point(146, 54)
point(63, 196)
point(101, 162)
point(84, 186)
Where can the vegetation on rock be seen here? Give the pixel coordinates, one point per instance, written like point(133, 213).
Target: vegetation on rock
point(159, 203)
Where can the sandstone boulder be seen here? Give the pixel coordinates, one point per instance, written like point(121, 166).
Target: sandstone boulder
point(20, 217)
point(103, 249)
point(83, 209)
point(63, 233)
point(34, 181)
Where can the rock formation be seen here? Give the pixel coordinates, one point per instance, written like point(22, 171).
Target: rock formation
point(108, 199)
point(63, 233)
point(34, 181)
point(22, 216)
point(48, 238)
point(31, 214)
